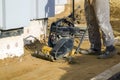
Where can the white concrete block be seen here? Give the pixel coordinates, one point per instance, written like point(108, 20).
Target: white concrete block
point(34, 31)
point(11, 47)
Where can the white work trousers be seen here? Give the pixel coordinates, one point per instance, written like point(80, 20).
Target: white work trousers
point(102, 10)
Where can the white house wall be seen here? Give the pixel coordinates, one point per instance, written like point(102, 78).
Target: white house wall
point(1, 14)
point(42, 9)
point(14, 14)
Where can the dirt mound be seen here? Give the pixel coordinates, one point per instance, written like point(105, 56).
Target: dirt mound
point(115, 8)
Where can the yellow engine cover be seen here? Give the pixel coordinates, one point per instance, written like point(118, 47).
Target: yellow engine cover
point(46, 50)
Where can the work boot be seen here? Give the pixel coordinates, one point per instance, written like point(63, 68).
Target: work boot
point(109, 53)
point(90, 52)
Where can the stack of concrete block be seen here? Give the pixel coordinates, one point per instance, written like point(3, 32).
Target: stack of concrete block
point(34, 31)
point(11, 47)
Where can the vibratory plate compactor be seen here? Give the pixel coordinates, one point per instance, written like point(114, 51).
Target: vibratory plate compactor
point(61, 40)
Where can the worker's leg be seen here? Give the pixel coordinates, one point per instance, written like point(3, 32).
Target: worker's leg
point(93, 28)
point(103, 15)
